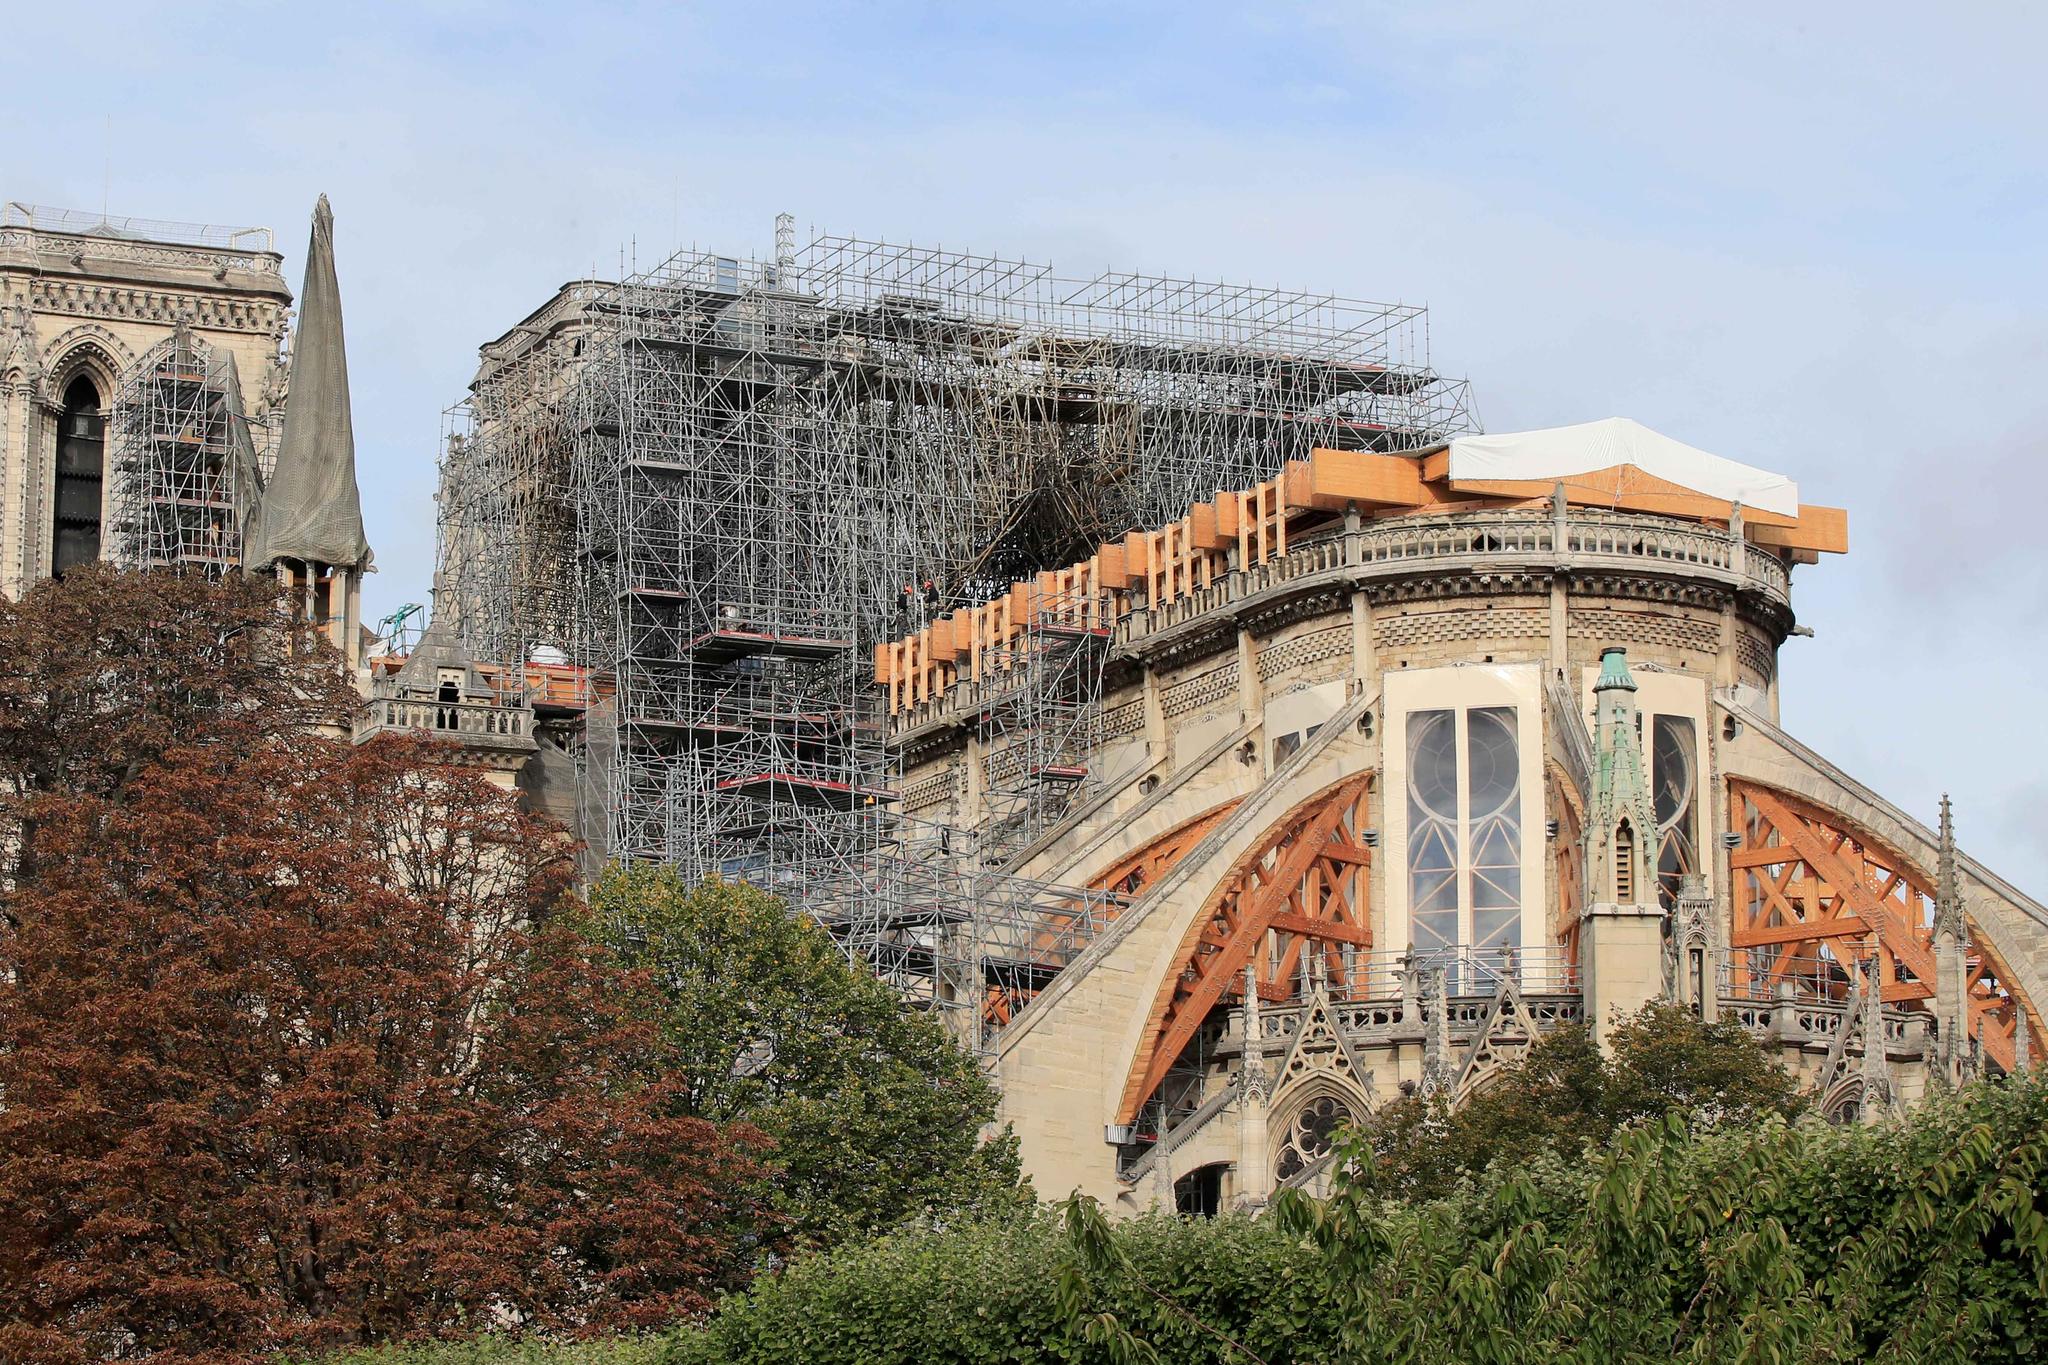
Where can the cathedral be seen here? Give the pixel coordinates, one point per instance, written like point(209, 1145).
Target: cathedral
point(1420, 755)
point(1194, 708)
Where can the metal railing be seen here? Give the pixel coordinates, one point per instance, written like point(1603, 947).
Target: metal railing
point(1392, 975)
point(83, 223)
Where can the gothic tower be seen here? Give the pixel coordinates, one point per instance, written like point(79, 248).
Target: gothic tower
point(125, 345)
point(1621, 934)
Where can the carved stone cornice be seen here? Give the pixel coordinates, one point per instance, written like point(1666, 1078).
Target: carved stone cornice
point(1314, 600)
point(1455, 583)
point(90, 298)
point(1199, 639)
point(929, 745)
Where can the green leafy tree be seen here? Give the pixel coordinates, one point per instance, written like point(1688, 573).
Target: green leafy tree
point(1566, 1094)
point(876, 1112)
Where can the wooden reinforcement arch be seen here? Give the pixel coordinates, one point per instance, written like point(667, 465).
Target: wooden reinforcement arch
point(1815, 898)
point(1302, 888)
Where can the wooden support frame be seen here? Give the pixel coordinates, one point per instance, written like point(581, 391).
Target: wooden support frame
point(1158, 567)
point(1303, 888)
point(1126, 879)
point(1811, 888)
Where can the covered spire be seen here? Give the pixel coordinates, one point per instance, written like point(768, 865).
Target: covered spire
point(311, 511)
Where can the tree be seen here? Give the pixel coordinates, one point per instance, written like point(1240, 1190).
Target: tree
point(298, 1050)
point(1565, 1094)
point(875, 1112)
point(103, 671)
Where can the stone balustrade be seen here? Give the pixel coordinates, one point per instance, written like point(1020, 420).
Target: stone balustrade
point(1581, 541)
point(478, 724)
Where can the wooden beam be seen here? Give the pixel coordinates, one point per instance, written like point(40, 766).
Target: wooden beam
point(1115, 566)
point(1802, 931)
point(1339, 477)
point(1204, 530)
point(1296, 493)
point(1824, 530)
point(1135, 560)
point(1329, 930)
point(957, 640)
point(1229, 516)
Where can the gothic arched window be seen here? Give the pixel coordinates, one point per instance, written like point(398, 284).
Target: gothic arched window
point(81, 469)
point(1624, 864)
point(1675, 783)
point(1465, 840)
point(1310, 1136)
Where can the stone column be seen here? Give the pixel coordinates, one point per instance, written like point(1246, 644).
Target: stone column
point(1725, 659)
point(974, 799)
point(1250, 695)
point(1621, 961)
point(1255, 1091)
point(1362, 664)
point(1560, 579)
point(1154, 705)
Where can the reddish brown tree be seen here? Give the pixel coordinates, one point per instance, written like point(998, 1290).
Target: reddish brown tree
point(295, 1054)
point(103, 671)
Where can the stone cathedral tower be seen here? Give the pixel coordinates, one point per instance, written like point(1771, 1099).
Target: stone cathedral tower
point(135, 358)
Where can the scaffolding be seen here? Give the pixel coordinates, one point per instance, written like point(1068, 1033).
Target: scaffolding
point(1038, 714)
point(505, 509)
point(177, 420)
point(716, 485)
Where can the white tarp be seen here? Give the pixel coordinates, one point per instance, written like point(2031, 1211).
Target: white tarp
point(1558, 452)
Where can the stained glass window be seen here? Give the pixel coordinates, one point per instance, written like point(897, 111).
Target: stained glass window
point(1675, 777)
point(1433, 830)
point(1494, 828)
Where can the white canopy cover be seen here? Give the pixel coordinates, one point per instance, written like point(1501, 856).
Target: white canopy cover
point(1559, 452)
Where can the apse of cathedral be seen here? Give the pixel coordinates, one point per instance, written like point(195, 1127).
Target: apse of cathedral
point(1414, 757)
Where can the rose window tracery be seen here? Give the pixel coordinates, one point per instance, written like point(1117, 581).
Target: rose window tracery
point(1311, 1135)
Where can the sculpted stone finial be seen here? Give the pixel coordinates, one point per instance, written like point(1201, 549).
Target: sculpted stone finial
point(1948, 893)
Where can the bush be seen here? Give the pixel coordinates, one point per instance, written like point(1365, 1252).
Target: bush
point(1919, 1240)
point(642, 1350)
point(995, 1293)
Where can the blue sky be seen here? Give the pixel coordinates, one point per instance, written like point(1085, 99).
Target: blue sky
point(1809, 236)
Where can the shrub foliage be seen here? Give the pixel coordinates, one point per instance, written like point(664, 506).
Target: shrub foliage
point(1917, 1240)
